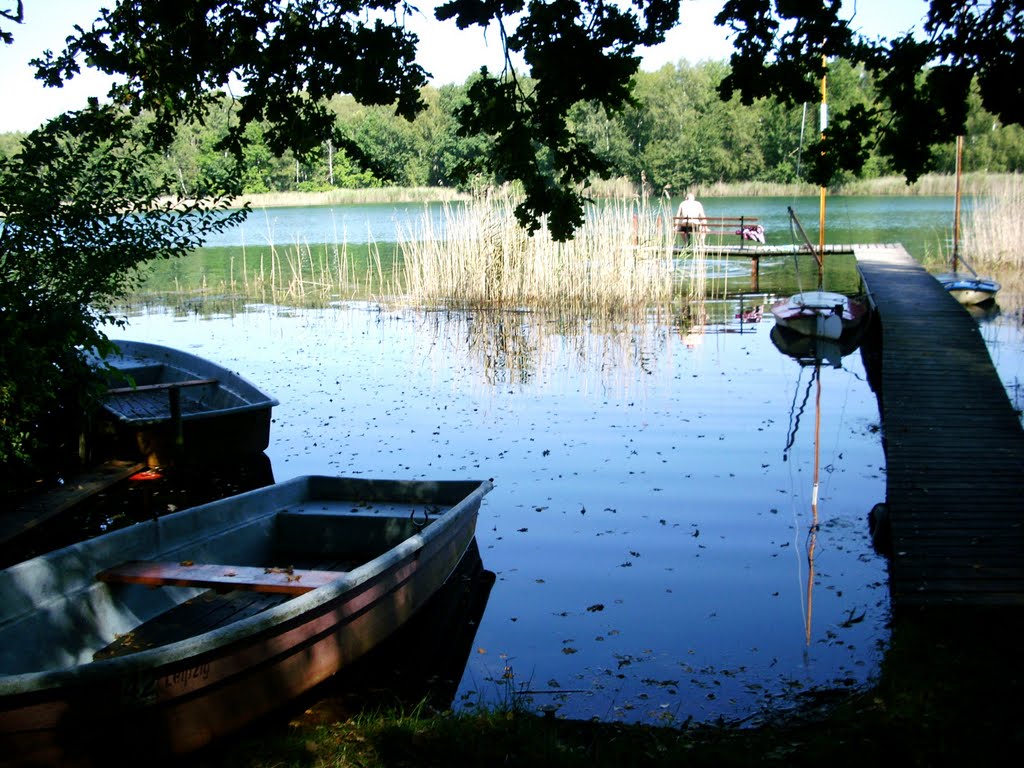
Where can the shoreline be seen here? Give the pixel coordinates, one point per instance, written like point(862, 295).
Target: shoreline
point(930, 185)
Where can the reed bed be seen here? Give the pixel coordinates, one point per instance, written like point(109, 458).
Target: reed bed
point(993, 228)
point(368, 196)
point(299, 276)
point(621, 258)
point(992, 231)
point(929, 185)
point(364, 196)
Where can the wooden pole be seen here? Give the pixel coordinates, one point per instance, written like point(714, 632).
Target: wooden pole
point(821, 202)
point(177, 430)
point(956, 214)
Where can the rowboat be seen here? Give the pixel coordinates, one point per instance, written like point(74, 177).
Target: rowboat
point(968, 288)
point(165, 404)
point(178, 630)
point(821, 314)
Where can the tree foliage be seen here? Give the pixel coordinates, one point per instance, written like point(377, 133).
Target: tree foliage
point(290, 56)
point(78, 215)
point(923, 82)
point(580, 110)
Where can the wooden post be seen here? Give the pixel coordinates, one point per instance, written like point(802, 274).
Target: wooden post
point(174, 394)
point(755, 265)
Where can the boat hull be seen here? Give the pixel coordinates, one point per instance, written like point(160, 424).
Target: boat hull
point(184, 695)
point(812, 350)
point(217, 415)
point(968, 289)
point(820, 314)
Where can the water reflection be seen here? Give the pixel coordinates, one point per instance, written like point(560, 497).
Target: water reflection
point(422, 663)
point(811, 353)
point(642, 521)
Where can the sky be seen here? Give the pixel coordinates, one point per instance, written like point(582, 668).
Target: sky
point(448, 53)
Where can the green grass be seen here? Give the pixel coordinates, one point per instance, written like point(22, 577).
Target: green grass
point(949, 694)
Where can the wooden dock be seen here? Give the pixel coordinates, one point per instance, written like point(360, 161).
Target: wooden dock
point(717, 249)
point(48, 505)
point(954, 446)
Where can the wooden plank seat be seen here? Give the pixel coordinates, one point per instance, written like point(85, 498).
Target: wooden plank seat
point(289, 581)
point(162, 386)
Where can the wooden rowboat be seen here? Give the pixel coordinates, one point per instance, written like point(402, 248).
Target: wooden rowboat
point(968, 288)
point(176, 631)
point(164, 405)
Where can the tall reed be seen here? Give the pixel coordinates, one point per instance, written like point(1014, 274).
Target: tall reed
point(300, 275)
point(366, 196)
point(620, 258)
point(993, 229)
point(929, 185)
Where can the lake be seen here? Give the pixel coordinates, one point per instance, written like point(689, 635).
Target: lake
point(651, 524)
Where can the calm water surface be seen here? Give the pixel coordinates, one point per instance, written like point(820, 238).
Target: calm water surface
point(651, 521)
point(920, 223)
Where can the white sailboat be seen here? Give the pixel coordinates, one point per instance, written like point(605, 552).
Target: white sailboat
point(966, 287)
point(819, 313)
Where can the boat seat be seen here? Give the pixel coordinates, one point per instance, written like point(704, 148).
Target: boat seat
point(288, 581)
point(162, 386)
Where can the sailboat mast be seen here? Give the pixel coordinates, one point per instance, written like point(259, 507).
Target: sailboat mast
point(956, 214)
point(821, 203)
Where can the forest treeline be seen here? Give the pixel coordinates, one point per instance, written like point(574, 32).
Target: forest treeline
point(678, 132)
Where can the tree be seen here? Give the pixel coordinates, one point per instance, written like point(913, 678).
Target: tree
point(79, 215)
point(781, 47)
point(290, 56)
point(174, 59)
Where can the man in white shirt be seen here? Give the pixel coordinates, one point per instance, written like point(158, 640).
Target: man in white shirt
point(690, 218)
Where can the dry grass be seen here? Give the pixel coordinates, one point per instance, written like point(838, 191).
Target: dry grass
point(353, 197)
point(993, 229)
point(298, 276)
point(888, 186)
point(620, 259)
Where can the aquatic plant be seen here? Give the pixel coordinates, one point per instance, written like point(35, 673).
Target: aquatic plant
point(480, 257)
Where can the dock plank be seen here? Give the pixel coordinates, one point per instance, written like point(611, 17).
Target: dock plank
point(954, 505)
point(49, 504)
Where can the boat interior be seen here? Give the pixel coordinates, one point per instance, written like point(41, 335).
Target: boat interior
point(82, 603)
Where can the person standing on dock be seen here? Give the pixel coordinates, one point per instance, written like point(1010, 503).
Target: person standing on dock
point(690, 218)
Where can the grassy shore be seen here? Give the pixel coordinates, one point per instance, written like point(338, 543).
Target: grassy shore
point(949, 694)
point(930, 184)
